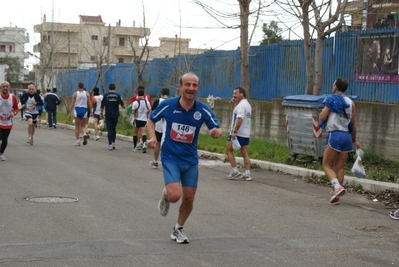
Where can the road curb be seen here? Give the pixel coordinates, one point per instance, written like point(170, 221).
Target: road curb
point(370, 185)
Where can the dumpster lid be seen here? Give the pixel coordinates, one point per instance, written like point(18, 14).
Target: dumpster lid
point(310, 99)
point(305, 99)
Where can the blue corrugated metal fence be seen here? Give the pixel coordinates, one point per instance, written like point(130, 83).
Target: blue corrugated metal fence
point(276, 71)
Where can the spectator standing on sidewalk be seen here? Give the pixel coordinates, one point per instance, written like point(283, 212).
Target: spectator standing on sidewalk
point(111, 102)
point(241, 130)
point(29, 103)
point(338, 112)
point(184, 117)
point(52, 101)
point(159, 127)
point(8, 109)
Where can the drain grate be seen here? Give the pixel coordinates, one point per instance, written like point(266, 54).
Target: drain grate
point(51, 199)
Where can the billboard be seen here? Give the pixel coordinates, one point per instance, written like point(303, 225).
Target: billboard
point(377, 58)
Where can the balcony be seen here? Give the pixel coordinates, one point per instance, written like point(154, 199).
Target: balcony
point(73, 49)
point(122, 51)
point(56, 27)
point(130, 31)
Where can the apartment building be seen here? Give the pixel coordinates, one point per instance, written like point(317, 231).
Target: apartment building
point(373, 14)
point(12, 44)
point(92, 43)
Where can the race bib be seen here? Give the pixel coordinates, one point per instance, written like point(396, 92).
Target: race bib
point(182, 133)
point(5, 116)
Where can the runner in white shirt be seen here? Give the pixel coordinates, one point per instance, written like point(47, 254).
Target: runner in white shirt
point(80, 106)
point(140, 110)
point(240, 131)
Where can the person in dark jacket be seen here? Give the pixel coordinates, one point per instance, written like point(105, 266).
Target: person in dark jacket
point(52, 101)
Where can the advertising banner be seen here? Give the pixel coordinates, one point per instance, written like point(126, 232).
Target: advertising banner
point(377, 58)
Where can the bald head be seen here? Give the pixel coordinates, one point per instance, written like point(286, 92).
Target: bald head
point(5, 88)
point(188, 75)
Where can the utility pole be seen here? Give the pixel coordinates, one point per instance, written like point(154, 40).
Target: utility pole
point(109, 43)
point(69, 50)
point(52, 47)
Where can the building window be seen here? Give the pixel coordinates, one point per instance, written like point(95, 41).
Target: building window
point(46, 39)
point(105, 41)
point(94, 37)
point(121, 41)
point(93, 58)
point(11, 49)
point(120, 60)
point(2, 48)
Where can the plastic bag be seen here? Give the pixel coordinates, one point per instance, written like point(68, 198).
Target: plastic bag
point(101, 124)
point(236, 144)
point(91, 120)
point(358, 168)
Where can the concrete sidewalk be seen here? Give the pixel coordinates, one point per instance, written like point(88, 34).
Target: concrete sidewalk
point(367, 184)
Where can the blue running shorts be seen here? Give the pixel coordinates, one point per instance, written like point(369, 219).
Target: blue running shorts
point(80, 112)
point(340, 141)
point(244, 141)
point(186, 175)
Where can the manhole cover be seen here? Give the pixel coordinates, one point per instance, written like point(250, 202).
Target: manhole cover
point(51, 199)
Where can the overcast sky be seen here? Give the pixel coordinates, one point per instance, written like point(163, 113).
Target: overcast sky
point(165, 18)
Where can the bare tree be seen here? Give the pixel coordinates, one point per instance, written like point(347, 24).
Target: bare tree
point(245, 12)
point(95, 46)
point(315, 17)
point(51, 49)
point(141, 51)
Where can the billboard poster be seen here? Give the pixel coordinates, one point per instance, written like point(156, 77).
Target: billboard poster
point(377, 58)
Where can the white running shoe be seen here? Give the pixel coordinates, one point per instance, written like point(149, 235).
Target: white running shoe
point(77, 143)
point(234, 175)
point(2, 158)
point(179, 236)
point(394, 214)
point(110, 147)
point(337, 193)
point(163, 205)
point(247, 177)
point(154, 164)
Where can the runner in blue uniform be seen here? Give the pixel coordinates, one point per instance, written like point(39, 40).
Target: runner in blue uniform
point(184, 117)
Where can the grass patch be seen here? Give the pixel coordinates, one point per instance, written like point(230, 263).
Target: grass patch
point(377, 168)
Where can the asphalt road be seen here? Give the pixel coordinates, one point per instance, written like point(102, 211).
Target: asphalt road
point(274, 220)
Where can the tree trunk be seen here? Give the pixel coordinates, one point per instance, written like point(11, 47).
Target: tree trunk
point(318, 66)
point(307, 45)
point(244, 51)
